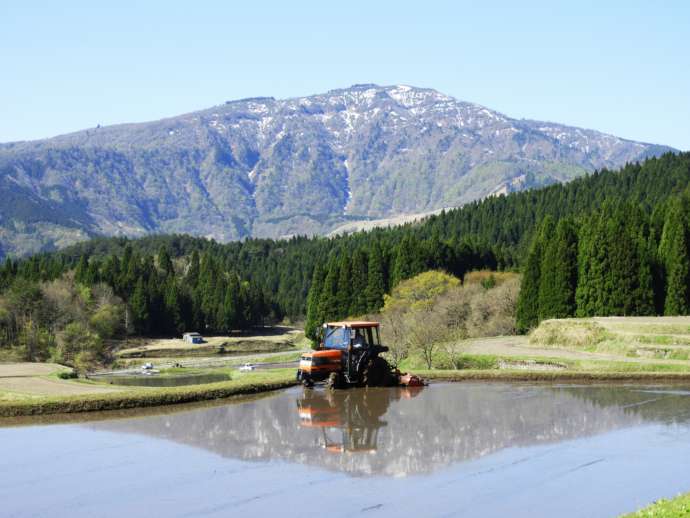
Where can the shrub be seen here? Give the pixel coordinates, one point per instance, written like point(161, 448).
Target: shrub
point(75, 339)
point(107, 320)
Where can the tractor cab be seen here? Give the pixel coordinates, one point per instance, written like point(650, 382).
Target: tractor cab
point(358, 335)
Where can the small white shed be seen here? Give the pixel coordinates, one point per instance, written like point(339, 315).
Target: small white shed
point(193, 338)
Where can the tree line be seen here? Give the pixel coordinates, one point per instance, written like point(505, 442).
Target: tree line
point(619, 260)
point(173, 282)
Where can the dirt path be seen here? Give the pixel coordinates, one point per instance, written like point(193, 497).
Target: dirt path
point(519, 346)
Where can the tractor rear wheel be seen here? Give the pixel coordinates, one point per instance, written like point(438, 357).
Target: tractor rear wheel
point(377, 373)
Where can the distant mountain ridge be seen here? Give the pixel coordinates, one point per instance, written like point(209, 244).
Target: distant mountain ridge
point(267, 168)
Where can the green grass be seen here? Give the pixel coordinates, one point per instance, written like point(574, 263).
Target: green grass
point(242, 383)
point(674, 508)
point(493, 362)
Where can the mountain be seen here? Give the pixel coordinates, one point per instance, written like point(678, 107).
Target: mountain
point(267, 168)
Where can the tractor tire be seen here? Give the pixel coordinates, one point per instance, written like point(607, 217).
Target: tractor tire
point(377, 373)
point(333, 381)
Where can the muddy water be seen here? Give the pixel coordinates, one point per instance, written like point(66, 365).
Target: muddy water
point(471, 449)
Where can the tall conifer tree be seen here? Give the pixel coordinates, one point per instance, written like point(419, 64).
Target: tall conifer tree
point(375, 279)
point(673, 251)
point(558, 275)
point(314, 316)
point(359, 283)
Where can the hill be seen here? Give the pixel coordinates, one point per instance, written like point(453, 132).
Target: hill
point(263, 167)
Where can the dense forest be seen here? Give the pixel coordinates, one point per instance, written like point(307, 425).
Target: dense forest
point(173, 283)
point(618, 260)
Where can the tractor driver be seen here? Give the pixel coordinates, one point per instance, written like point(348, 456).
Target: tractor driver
point(358, 340)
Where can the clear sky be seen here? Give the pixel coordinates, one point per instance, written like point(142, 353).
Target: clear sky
point(622, 67)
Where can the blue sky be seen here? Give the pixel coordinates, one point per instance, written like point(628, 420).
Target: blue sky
point(622, 68)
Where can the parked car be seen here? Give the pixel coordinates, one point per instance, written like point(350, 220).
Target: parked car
point(147, 366)
point(247, 367)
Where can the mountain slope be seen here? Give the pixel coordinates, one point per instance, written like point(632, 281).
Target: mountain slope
point(266, 167)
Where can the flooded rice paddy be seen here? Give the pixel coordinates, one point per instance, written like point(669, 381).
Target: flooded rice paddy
point(466, 449)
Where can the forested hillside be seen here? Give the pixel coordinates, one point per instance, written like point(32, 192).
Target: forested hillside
point(619, 260)
point(263, 167)
point(171, 283)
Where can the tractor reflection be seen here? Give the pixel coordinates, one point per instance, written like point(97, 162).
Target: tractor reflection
point(349, 420)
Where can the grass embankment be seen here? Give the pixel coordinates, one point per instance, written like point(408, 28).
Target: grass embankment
point(553, 376)
point(535, 365)
point(660, 338)
point(242, 383)
point(679, 506)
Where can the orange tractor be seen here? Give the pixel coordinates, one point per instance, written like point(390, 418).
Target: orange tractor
point(349, 421)
point(349, 355)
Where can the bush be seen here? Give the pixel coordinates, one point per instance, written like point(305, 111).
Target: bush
point(107, 320)
point(67, 375)
point(85, 361)
point(420, 291)
point(76, 339)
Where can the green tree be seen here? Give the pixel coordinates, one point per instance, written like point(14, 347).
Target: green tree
point(359, 283)
point(329, 307)
point(375, 279)
point(82, 269)
point(231, 310)
point(138, 304)
point(673, 251)
point(344, 295)
point(76, 338)
point(527, 312)
point(165, 262)
point(172, 302)
point(558, 273)
point(314, 316)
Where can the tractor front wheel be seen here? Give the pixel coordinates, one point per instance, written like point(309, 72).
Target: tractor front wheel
point(333, 381)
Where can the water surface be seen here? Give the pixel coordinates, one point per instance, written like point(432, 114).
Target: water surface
point(467, 449)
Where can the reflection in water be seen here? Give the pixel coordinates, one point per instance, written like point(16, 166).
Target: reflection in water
point(356, 414)
point(397, 432)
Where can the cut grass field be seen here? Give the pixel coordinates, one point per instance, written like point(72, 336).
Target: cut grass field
point(658, 338)
point(674, 508)
point(134, 397)
point(22, 381)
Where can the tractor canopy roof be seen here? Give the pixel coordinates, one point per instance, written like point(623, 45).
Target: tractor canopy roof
point(352, 324)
